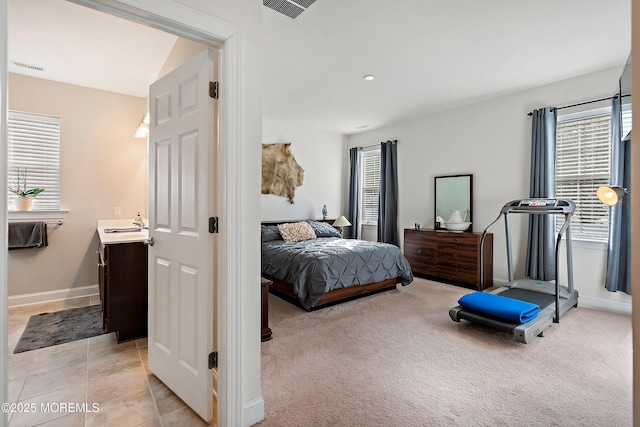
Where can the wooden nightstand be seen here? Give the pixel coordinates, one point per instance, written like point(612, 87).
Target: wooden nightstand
point(266, 330)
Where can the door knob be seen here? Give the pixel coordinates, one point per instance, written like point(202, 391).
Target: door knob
point(151, 242)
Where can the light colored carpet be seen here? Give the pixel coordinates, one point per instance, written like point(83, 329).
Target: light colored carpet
point(397, 359)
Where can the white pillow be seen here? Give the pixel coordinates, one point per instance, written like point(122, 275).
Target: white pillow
point(296, 231)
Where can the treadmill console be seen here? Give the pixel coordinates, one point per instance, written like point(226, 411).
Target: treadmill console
point(538, 203)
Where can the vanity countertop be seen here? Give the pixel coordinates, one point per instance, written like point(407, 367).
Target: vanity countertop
point(120, 237)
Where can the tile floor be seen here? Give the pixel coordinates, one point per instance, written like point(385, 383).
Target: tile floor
point(94, 370)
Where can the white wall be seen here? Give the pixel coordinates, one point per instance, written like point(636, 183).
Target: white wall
point(319, 153)
point(102, 166)
point(491, 140)
point(181, 51)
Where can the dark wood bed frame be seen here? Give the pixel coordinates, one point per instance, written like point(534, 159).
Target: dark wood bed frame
point(285, 290)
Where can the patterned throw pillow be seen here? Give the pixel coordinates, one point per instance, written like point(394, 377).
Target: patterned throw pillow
point(322, 229)
point(296, 232)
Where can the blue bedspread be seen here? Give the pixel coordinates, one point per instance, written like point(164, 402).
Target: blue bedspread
point(320, 265)
point(508, 309)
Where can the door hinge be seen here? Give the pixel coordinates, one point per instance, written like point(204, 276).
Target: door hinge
point(213, 360)
point(213, 90)
point(213, 224)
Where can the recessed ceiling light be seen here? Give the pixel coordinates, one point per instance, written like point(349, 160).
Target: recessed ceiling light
point(369, 77)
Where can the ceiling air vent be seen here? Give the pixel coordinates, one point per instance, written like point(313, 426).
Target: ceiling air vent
point(28, 66)
point(290, 8)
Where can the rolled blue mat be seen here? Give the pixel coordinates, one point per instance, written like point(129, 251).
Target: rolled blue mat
point(504, 308)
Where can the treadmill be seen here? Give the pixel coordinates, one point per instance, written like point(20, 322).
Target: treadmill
point(554, 300)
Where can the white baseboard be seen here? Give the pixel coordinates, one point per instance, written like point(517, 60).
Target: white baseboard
point(605, 304)
point(49, 296)
point(253, 412)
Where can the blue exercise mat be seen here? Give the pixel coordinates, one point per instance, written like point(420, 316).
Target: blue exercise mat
point(508, 309)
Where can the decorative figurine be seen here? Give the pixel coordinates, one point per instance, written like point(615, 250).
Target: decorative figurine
point(325, 212)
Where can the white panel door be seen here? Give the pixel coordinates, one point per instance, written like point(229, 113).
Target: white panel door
point(181, 197)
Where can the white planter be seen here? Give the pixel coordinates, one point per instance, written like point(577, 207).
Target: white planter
point(23, 203)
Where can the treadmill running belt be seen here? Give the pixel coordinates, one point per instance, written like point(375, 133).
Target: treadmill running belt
point(542, 300)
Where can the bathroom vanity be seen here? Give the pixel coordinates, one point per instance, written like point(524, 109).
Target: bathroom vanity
point(122, 278)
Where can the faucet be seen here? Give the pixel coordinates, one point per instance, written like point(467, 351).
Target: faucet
point(138, 221)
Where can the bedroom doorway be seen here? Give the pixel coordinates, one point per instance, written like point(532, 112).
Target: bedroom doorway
point(188, 23)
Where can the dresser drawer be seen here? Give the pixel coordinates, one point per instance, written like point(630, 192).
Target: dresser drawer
point(458, 273)
point(457, 258)
point(447, 238)
point(421, 258)
point(420, 238)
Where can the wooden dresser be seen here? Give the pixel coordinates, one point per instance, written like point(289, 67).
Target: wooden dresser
point(449, 256)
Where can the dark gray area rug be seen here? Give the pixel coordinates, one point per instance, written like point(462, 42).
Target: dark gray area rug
point(48, 329)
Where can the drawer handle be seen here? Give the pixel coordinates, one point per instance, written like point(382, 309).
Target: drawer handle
point(419, 251)
point(455, 271)
point(456, 240)
point(455, 256)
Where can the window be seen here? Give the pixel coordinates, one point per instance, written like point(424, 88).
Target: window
point(626, 119)
point(583, 161)
point(370, 186)
point(34, 153)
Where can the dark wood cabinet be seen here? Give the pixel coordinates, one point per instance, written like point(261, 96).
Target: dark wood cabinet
point(449, 257)
point(122, 279)
point(266, 330)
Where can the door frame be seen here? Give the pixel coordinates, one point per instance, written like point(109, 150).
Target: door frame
point(215, 32)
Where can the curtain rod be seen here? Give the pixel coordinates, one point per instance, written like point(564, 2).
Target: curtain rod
point(395, 141)
point(583, 103)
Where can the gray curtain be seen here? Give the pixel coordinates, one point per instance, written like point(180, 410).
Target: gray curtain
point(619, 250)
point(353, 232)
point(388, 196)
point(541, 246)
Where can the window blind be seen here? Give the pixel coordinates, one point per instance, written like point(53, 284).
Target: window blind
point(370, 186)
point(34, 150)
point(626, 119)
point(583, 159)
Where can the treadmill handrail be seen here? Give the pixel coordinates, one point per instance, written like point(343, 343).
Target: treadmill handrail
point(567, 208)
point(484, 234)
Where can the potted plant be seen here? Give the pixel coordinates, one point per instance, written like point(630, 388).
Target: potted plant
point(25, 195)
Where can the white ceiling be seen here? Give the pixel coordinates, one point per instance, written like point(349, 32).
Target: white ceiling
point(81, 46)
point(426, 55)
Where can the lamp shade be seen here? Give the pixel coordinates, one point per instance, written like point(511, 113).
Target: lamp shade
point(341, 222)
point(610, 195)
point(143, 127)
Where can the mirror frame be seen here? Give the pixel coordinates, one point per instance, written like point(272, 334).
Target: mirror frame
point(436, 224)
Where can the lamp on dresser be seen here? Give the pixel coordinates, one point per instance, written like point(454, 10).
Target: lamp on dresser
point(341, 222)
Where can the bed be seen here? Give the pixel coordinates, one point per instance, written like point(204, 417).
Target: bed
point(316, 267)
